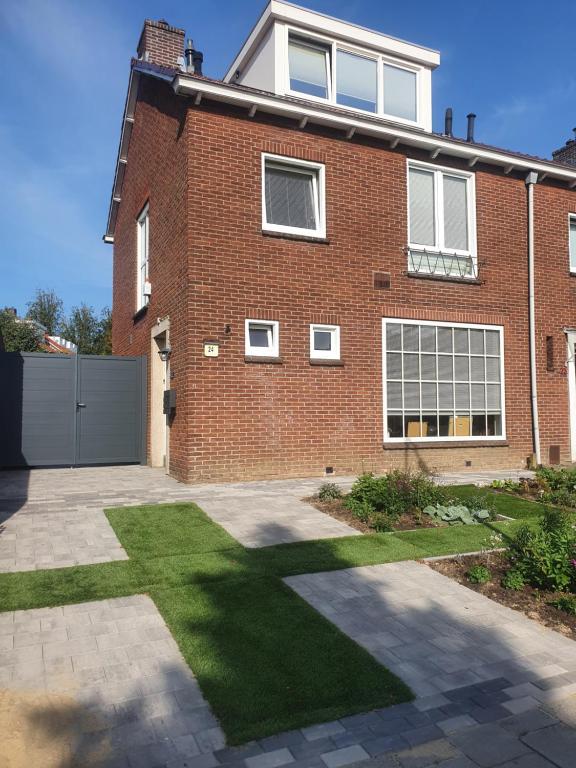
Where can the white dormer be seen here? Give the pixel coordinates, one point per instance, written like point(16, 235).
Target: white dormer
point(300, 53)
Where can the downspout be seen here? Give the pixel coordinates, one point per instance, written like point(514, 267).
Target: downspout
point(531, 180)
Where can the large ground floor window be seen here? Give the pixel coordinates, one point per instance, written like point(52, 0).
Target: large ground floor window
point(442, 381)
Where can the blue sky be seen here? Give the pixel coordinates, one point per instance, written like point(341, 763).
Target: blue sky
point(64, 67)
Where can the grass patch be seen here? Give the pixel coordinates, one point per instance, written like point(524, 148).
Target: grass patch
point(504, 503)
point(266, 660)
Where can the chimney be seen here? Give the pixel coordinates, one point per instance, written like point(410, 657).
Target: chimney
point(567, 154)
point(470, 132)
point(161, 44)
point(448, 122)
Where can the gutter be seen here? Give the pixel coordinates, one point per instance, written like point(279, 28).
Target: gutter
point(531, 181)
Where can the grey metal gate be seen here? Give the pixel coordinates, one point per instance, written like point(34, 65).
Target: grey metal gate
point(71, 409)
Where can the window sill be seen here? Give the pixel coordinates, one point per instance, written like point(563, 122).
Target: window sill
point(139, 314)
point(326, 361)
point(444, 278)
point(263, 359)
point(417, 446)
point(292, 236)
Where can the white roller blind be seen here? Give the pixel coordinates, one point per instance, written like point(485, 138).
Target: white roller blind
point(455, 213)
point(308, 69)
point(573, 245)
point(355, 81)
point(399, 92)
point(422, 229)
point(289, 198)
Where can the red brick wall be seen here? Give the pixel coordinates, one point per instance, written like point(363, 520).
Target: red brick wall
point(161, 43)
point(248, 420)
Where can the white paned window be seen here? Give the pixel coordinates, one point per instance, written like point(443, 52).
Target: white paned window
point(572, 234)
point(325, 342)
point(400, 92)
point(293, 196)
point(356, 81)
point(262, 338)
point(309, 65)
point(142, 248)
point(443, 381)
point(322, 69)
point(442, 221)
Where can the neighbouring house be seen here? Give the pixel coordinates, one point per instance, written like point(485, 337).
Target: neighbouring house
point(324, 283)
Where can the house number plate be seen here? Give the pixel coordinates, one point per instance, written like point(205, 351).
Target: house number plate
point(210, 349)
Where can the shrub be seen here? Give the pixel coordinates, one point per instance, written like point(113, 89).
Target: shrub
point(479, 574)
point(513, 579)
point(456, 514)
point(557, 485)
point(566, 603)
point(545, 556)
point(506, 485)
point(329, 492)
point(362, 510)
point(397, 492)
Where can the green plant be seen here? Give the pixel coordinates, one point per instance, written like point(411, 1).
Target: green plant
point(513, 579)
point(566, 603)
point(544, 555)
point(362, 510)
point(456, 514)
point(397, 492)
point(479, 574)
point(506, 485)
point(329, 492)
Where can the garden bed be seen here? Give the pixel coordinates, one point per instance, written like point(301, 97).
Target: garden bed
point(336, 508)
point(533, 603)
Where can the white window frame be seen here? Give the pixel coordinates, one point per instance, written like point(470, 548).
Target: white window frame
point(571, 256)
point(323, 354)
point(442, 438)
point(326, 42)
point(143, 257)
point(439, 249)
point(273, 327)
point(318, 172)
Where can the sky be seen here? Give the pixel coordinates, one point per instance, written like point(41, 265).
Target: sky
point(64, 68)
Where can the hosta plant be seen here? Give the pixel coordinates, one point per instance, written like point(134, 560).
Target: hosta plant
point(457, 514)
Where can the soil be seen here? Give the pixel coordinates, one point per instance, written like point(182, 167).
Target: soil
point(532, 602)
point(335, 508)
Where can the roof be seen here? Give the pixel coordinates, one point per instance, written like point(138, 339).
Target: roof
point(351, 123)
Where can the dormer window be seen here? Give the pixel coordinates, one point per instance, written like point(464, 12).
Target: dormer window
point(309, 65)
point(324, 70)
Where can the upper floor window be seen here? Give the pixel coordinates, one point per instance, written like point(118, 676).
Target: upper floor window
point(142, 239)
point(293, 196)
point(262, 338)
point(573, 243)
point(442, 227)
point(356, 79)
point(325, 342)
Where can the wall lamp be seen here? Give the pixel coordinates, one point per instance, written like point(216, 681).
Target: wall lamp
point(165, 353)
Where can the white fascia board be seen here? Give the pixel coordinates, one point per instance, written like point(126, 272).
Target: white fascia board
point(330, 27)
point(427, 141)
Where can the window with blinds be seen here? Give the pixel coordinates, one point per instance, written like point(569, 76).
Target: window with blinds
point(293, 196)
point(309, 66)
point(442, 381)
point(356, 81)
point(572, 233)
point(441, 222)
point(142, 243)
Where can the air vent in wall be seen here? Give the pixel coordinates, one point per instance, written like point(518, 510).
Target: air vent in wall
point(381, 280)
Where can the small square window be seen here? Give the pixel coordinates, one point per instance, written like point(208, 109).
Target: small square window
point(293, 196)
point(262, 338)
point(325, 342)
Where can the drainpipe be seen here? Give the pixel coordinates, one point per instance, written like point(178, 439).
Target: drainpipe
point(531, 180)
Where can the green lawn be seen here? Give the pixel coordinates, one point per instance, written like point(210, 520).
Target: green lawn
point(266, 661)
point(505, 503)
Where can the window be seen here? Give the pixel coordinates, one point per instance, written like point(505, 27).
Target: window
point(309, 66)
point(322, 69)
point(442, 229)
point(573, 243)
point(399, 92)
point(261, 338)
point(142, 238)
point(293, 196)
point(356, 81)
point(325, 342)
point(443, 381)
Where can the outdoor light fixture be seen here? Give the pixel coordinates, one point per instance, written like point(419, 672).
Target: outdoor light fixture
point(165, 353)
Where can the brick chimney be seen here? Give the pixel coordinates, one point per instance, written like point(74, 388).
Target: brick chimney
point(161, 44)
point(568, 152)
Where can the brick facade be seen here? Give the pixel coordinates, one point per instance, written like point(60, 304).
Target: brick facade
point(211, 267)
point(161, 44)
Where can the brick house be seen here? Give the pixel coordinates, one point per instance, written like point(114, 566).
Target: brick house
point(326, 283)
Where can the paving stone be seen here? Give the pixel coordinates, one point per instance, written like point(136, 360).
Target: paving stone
point(529, 721)
point(340, 757)
point(556, 743)
point(383, 744)
point(312, 749)
point(454, 724)
point(324, 729)
point(488, 745)
point(270, 759)
point(422, 735)
point(427, 754)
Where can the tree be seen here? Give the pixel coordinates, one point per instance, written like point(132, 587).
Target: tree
point(105, 343)
point(19, 335)
point(48, 310)
point(90, 333)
